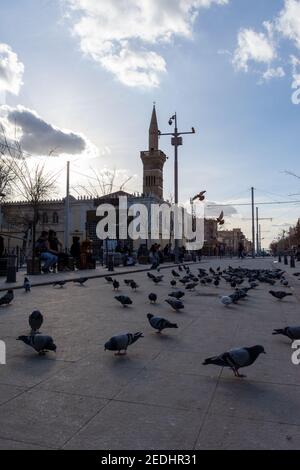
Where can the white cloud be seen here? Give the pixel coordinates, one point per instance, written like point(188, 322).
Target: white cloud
point(37, 136)
point(262, 48)
point(288, 21)
point(295, 61)
point(271, 73)
point(120, 35)
point(254, 47)
point(11, 70)
point(213, 209)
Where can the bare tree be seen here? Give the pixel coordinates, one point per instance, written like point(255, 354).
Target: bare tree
point(8, 156)
point(33, 184)
point(101, 184)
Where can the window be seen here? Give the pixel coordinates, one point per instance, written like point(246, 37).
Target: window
point(45, 218)
point(55, 218)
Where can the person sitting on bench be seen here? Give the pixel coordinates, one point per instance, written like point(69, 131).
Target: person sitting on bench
point(43, 250)
point(56, 248)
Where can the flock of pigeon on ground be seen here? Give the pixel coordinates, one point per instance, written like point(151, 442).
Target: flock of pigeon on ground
point(241, 279)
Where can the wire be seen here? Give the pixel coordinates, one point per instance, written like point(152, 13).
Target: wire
point(257, 203)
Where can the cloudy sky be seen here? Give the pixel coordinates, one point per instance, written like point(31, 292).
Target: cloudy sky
point(78, 79)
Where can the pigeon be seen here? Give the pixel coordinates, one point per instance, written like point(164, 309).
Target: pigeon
point(59, 284)
point(7, 298)
point(35, 321)
point(128, 281)
point(109, 279)
point(175, 273)
point(226, 300)
point(216, 282)
point(220, 219)
point(159, 323)
point(27, 285)
point(116, 284)
point(81, 281)
point(150, 275)
point(121, 342)
point(152, 297)
point(279, 294)
point(175, 304)
point(154, 265)
point(191, 286)
point(134, 285)
point(180, 268)
point(124, 300)
point(157, 279)
point(200, 196)
point(177, 294)
point(40, 343)
point(236, 358)
point(292, 332)
point(173, 283)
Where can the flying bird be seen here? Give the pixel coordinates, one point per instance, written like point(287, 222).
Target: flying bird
point(121, 342)
point(7, 298)
point(220, 219)
point(27, 284)
point(40, 343)
point(237, 358)
point(159, 323)
point(279, 295)
point(200, 196)
point(124, 300)
point(35, 321)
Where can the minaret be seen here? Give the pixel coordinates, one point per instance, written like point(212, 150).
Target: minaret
point(153, 162)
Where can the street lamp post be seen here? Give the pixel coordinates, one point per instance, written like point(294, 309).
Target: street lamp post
point(176, 141)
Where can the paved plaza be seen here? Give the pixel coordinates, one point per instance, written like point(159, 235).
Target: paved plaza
point(159, 396)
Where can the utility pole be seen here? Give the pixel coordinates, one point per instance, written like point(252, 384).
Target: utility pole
point(176, 141)
point(257, 230)
point(259, 235)
point(253, 224)
point(67, 210)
